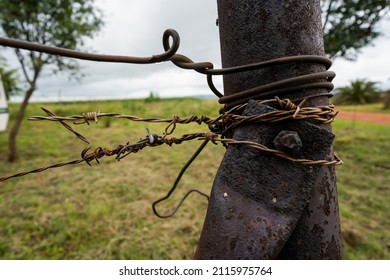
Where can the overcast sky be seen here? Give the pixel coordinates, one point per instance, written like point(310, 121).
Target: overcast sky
point(135, 28)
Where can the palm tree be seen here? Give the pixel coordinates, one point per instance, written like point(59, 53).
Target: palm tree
point(360, 91)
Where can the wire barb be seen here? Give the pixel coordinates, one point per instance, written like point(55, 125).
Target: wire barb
point(90, 116)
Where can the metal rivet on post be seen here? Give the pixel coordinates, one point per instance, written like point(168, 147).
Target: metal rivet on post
point(288, 141)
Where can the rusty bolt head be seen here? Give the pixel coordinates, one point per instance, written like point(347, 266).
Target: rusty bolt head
point(288, 141)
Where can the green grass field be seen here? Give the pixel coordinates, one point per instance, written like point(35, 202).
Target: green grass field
point(104, 211)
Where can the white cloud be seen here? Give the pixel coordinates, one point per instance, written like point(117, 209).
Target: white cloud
point(372, 64)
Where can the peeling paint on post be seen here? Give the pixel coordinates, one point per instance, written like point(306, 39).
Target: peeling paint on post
point(263, 207)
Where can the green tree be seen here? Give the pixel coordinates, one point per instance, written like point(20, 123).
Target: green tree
point(360, 91)
point(350, 25)
point(10, 79)
point(61, 23)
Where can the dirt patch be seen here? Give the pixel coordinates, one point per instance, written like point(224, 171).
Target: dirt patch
point(365, 117)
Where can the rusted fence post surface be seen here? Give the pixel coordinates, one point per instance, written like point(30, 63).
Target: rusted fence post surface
point(261, 206)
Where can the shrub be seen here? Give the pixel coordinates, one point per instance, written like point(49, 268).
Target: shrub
point(359, 91)
point(153, 97)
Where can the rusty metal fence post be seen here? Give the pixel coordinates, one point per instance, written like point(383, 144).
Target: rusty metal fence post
point(263, 207)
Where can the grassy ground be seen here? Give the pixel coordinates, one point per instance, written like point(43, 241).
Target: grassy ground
point(104, 211)
point(371, 108)
point(364, 188)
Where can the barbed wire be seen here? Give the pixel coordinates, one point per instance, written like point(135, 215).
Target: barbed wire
point(218, 127)
point(288, 110)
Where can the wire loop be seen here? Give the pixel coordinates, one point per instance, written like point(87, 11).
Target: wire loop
point(321, 80)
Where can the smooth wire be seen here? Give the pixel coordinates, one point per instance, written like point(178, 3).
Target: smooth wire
point(174, 186)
